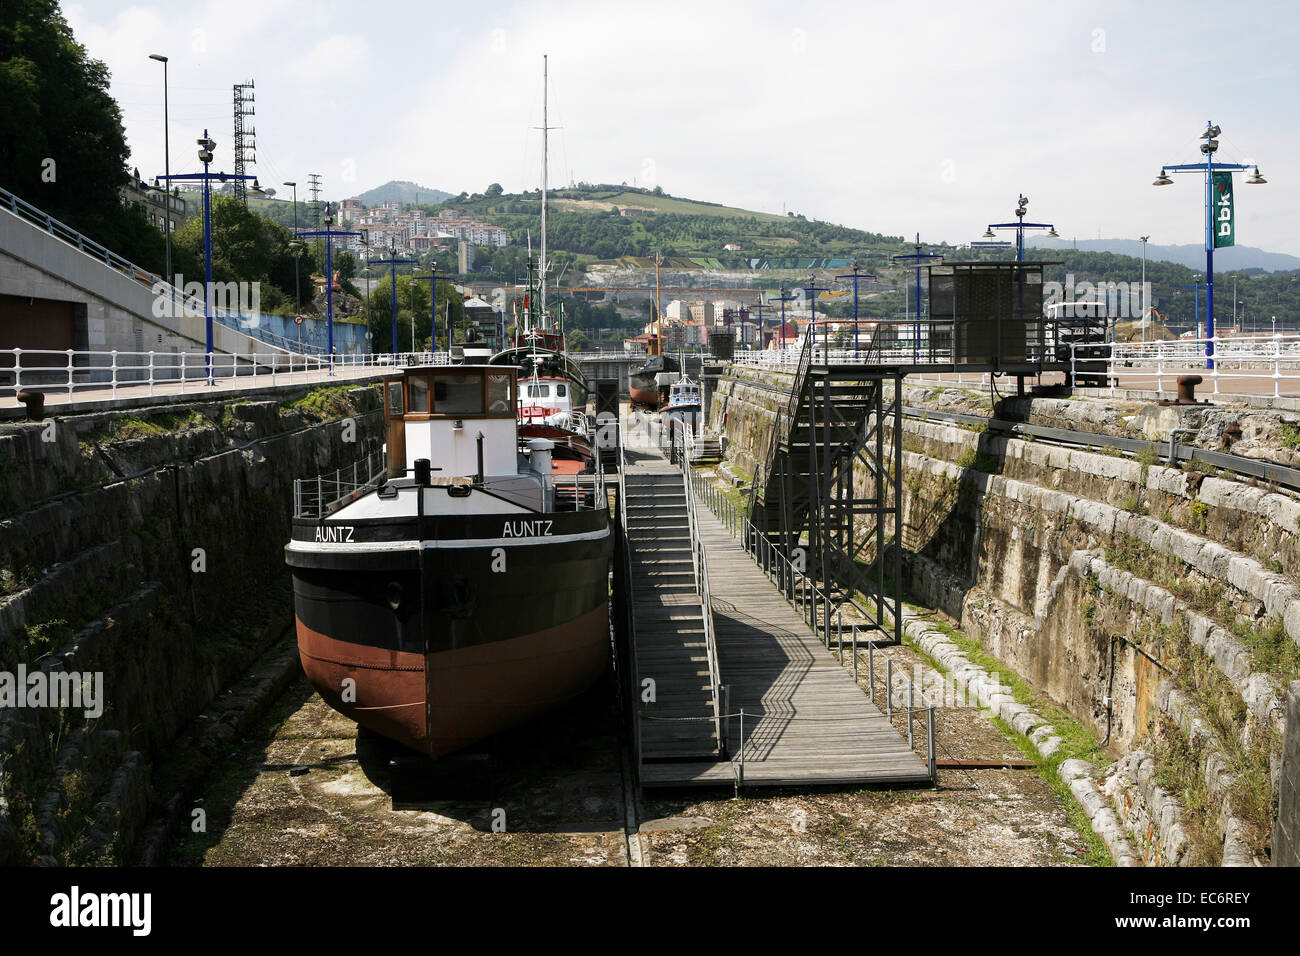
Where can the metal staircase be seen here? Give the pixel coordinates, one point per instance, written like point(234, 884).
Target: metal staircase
point(828, 491)
point(673, 645)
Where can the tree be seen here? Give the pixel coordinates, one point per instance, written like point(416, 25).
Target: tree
point(493, 191)
point(62, 146)
point(245, 248)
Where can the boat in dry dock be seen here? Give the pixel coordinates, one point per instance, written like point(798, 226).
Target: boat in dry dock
point(464, 588)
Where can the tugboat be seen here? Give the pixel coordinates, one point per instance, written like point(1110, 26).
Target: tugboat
point(553, 401)
point(683, 408)
point(464, 588)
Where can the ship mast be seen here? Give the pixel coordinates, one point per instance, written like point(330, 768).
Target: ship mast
point(659, 342)
point(545, 171)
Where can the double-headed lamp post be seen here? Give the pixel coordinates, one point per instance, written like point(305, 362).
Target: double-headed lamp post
point(206, 145)
point(329, 232)
point(1209, 167)
point(1020, 226)
point(918, 260)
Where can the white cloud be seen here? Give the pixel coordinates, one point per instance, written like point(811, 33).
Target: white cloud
point(881, 116)
point(332, 59)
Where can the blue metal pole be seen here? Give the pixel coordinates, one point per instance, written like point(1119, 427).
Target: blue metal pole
point(207, 266)
point(329, 290)
point(855, 309)
point(1209, 257)
point(392, 296)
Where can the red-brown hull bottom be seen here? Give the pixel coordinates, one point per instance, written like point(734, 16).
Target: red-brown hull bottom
point(439, 703)
point(646, 397)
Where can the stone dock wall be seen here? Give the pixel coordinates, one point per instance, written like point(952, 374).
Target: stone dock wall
point(145, 547)
point(1155, 605)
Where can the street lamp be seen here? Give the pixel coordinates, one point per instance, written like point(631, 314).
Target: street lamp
point(206, 145)
point(855, 275)
point(1020, 226)
point(433, 279)
point(329, 232)
point(393, 262)
point(167, 168)
point(1195, 288)
point(297, 246)
point(1209, 168)
point(918, 259)
point(783, 299)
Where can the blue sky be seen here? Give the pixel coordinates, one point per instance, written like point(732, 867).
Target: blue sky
point(892, 117)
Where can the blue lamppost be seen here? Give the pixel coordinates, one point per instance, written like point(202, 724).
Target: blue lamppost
point(855, 275)
point(812, 289)
point(760, 306)
point(329, 233)
point(783, 299)
point(919, 260)
point(393, 262)
point(1020, 226)
point(1212, 213)
point(1195, 288)
point(433, 279)
point(206, 146)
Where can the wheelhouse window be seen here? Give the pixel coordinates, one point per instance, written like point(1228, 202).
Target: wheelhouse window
point(539, 391)
point(458, 395)
point(499, 399)
point(561, 390)
point(418, 390)
point(395, 405)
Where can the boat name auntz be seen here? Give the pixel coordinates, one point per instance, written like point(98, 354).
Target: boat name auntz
point(335, 532)
point(526, 529)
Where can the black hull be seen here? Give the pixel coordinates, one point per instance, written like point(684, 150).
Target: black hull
point(492, 620)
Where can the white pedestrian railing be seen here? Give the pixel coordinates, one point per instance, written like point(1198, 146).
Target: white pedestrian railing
point(1273, 359)
point(75, 371)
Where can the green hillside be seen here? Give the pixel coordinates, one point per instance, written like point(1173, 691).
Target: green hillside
point(403, 191)
point(595, 223)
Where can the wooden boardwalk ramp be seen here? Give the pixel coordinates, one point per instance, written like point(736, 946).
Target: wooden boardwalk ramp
point(806, 721)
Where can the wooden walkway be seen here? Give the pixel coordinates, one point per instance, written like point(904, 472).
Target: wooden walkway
point(806, 720)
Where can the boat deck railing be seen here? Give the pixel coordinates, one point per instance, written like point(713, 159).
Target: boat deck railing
point(321, 496)
point(581, 492)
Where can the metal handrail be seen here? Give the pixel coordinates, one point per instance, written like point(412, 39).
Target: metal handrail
point(70, 370)
point(804, 595)
point(321, 496)
point(630, 623)
point(161, 287)
point(700, 564)
point(1275, 358)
